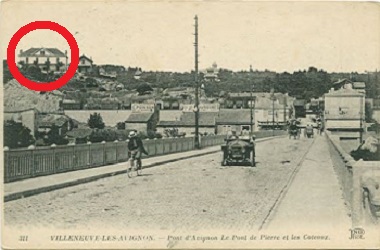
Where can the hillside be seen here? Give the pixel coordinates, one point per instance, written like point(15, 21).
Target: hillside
point(18, 97)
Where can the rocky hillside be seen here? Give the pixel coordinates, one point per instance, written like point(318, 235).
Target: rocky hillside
point(18, 97)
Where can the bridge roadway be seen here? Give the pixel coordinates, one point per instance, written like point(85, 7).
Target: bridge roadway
point(195, 193)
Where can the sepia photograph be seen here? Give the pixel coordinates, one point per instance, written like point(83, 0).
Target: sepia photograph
point(190, 124)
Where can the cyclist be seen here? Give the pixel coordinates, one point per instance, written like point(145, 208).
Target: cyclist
point(135, 148)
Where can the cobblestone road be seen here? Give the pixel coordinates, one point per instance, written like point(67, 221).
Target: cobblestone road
point(190, 194)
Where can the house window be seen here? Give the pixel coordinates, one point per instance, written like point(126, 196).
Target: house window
point(42, 53)
point(83, 61)
point(246, 127)
point(27, 60)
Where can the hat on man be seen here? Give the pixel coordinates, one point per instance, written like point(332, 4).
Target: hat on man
point(132, 134)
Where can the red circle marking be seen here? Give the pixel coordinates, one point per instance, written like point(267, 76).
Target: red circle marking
point(42, 86)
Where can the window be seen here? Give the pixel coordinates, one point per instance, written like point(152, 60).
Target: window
point(83, 61)
point(27, 60)
point(42, 53)
point(246, 127)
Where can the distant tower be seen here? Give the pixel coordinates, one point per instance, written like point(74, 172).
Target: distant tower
point(215, 67)
point(138, 74)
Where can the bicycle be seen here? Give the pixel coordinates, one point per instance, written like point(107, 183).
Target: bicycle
point(137, 167)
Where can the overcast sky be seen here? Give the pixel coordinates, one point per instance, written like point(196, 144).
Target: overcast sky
point(159, 36)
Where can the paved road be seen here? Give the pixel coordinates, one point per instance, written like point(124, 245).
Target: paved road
point(190, 194)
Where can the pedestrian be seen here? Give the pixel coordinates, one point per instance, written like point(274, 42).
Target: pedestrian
point(135, 148)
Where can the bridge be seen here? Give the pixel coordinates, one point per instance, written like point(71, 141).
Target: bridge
point(305, 183)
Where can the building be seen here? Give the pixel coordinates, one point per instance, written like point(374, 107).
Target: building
point(47, 59)
point(186, 123)
point(344, 111)
point(28, 117)
point(109, 74)
point(144, 121)
point(85, 65)
point(271, 113)
point(144, 117)
point(62, 122)
point(231, 120)
point(69, 104)
point(211, 74)
point(346, 83)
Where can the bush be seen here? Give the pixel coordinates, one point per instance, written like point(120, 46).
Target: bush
point(16, 135)
point(99, 135)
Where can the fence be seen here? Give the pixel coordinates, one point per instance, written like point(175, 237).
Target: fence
point(353, 176)
point(26, 163)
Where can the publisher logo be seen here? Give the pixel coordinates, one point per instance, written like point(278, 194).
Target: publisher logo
point(357, 234)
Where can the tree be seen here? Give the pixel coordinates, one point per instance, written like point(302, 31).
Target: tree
point(17, 135)
point(54, 137)
point(120, 125)
point(144, 88)
point(96, 121)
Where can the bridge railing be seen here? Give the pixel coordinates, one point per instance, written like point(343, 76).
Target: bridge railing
point(353, 176)
point(21, 164)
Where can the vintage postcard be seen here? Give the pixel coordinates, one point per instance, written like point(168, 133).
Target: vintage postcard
point(190, 124)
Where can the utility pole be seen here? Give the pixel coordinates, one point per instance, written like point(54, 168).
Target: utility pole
point(251, 107)
point(196, 108)
point(272, 111)
point(285, 106)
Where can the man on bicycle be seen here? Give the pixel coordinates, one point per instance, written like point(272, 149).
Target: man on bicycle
point(135, 148)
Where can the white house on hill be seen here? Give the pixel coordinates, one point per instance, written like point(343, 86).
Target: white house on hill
point(47, 59)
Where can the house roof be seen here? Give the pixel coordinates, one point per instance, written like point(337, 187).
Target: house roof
point(234, 117)
point(359, 85)
point(187, 119)
point(139, 117)
point(243, 94)
point(32, 51)
point(85, 57)
point(344, 92)
point(53, 119)
point(342, 81)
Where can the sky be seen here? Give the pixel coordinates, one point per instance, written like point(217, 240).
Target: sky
point(278, 36)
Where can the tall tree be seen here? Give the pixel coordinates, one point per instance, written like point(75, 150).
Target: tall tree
point(96, 121)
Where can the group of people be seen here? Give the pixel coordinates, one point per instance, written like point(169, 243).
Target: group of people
point(295, 125)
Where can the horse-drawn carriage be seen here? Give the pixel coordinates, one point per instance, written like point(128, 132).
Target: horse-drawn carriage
point(294, 129)
point(309, 131)
point(239, 150)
